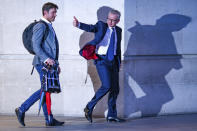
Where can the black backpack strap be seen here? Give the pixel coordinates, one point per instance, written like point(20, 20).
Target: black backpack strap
point(46, 31)
point(32, 70)
point(44, 38)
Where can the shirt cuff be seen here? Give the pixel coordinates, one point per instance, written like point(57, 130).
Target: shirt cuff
point(46, 60)
point(78, 25)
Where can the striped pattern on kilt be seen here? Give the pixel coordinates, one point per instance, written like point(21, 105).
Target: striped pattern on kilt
point(50, 81)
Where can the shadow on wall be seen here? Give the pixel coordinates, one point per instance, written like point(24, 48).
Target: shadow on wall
point(101, 107)
point(150, 55)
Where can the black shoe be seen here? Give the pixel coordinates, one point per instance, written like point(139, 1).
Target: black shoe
point(20, 116)
point(88, 114)
point(54, 122)
point(57, 123)
point(115, 119)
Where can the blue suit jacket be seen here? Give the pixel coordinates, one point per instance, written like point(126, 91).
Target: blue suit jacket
point(100, 29)
point(44, 49)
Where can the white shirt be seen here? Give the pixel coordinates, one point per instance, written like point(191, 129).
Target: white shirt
point(50, 25)
point(102, 47)
point(45, 20)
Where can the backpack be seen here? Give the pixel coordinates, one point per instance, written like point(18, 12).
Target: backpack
point(27, 35)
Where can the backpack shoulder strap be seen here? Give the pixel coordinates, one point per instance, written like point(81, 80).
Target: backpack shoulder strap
point(45, 35)
point(46, 31)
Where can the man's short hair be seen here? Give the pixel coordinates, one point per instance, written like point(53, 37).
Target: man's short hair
point(116, 12)
point(47, 6)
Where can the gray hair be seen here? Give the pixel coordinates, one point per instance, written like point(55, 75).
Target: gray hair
point(115, 12)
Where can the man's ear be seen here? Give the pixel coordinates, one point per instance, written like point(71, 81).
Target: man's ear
point(117, 21)
point(45, 12)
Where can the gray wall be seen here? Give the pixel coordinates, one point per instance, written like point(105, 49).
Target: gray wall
point(158, 74)
point(160, 57)
point(16, 83)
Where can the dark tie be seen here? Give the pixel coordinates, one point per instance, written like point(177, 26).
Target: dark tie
point(110, 51)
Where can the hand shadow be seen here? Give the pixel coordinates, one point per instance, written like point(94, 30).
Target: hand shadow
point(150, 55)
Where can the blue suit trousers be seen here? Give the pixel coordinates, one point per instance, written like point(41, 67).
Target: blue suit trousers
point(35, 97)
point(109, 76)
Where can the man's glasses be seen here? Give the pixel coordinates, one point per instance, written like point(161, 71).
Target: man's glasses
point(112, 20)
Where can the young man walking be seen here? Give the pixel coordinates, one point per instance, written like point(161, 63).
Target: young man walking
point(46, 52)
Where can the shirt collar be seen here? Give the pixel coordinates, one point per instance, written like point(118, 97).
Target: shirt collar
point(45, 20)
point(111, 28)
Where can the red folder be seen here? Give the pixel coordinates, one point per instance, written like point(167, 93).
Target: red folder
point(89, 52)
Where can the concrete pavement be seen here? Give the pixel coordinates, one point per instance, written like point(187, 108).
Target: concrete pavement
point(161, 123)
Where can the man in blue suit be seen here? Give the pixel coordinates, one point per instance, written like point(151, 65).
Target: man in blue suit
point(46, 52)
point(105, 49)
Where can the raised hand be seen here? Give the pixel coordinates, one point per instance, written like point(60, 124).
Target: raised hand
point(75, 22)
